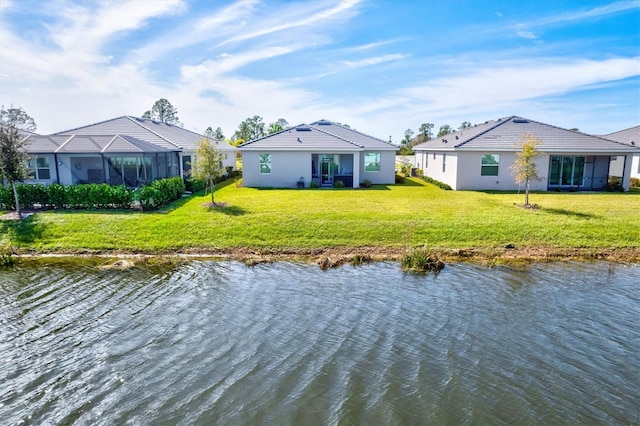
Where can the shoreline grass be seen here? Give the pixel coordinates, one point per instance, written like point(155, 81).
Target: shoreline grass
point(387, 218)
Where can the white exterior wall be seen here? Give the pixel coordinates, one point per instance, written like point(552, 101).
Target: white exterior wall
point(387, 173)
point(635, 166)
point(286, 168)
point(434, 167)
point(229, 161)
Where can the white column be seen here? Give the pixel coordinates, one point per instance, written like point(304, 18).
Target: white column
point(356, 169)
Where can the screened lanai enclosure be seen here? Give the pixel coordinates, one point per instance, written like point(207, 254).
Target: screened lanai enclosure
point(585, 172)
point(326, 169)
point(116, 160)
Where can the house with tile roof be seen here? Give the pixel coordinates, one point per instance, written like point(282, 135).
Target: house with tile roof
point(125, 150)
point(630, 137)
point(323, 152)
point(480, 157)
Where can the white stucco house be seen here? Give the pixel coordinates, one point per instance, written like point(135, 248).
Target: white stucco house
point(480, 157)
point(630, 137)
point(323, 151)
point(124, 150)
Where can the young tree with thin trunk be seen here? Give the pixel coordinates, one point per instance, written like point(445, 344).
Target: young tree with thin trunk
point(208, 164)
point(13, 152)
point(524, 168)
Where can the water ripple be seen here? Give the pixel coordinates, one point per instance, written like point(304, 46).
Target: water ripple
point(287, 343)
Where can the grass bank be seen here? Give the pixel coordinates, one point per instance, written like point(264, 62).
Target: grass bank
point(383, 219)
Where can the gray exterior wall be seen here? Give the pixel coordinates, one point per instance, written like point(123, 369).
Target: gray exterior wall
point(286, 168)
point(387, 173)
point(52, 170)
point(463, 170)
point(469, 176)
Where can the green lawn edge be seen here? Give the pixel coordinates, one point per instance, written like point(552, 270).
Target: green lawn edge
point(384, 221)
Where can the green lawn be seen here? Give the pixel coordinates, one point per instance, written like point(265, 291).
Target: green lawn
point(397, 216)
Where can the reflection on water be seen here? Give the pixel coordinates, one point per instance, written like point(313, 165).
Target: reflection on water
point(287, 343)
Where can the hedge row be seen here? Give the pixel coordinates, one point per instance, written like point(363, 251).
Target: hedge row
point(196, 185)
point(437, 183)
point(93, 196)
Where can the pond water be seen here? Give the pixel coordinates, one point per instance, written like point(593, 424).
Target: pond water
point(221, 343)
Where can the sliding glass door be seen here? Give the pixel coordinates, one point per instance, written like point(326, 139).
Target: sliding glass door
point(566, 170)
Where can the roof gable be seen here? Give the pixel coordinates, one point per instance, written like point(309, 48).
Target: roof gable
point(629, 136)
point(319, 135)
point(166, 135)
point(85, 144)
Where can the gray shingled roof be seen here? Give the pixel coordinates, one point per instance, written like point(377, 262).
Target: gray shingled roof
point(168, 136)
point(506, 133)
point(84, 144)
point(319, 135)
point(627, 136)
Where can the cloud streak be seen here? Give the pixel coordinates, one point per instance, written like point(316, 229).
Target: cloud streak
point(92, 61)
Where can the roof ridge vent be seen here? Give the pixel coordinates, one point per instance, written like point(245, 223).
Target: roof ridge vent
point(303, 129)
point(324, 123)
point(520, 120)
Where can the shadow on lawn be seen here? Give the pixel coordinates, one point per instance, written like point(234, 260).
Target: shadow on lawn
point(331, 188)
point(566, 212)
point(228, 210)
point(24, 231)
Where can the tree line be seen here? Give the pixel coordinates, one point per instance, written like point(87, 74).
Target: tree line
point(425, 133)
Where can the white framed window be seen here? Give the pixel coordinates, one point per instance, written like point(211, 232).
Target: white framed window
point(39, 168)
point(372, 162)
point(265, 164)
point(490, 165)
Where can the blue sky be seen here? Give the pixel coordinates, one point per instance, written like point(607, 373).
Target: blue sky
point(380, 66)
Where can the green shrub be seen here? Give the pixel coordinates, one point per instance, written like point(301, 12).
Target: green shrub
point(614, 187)
point(339, 184)
point(159, 193)
point(6, 198)
point(32, 194)
point(419, 172)
point(121, 197)
point(56, 196)
point(437, 183)
point(366, 183)
point(148, 197)
point(194, 185)
point(170, 189)
point(313, 184)
point(635, 182)
point(78, 196)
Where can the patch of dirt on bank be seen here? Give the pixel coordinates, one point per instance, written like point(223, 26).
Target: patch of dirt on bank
point(518, 258)
point(14, 215)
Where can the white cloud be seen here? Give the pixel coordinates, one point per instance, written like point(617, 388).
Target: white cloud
point(374, 60)
point(300, 17)
point(506, 83)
